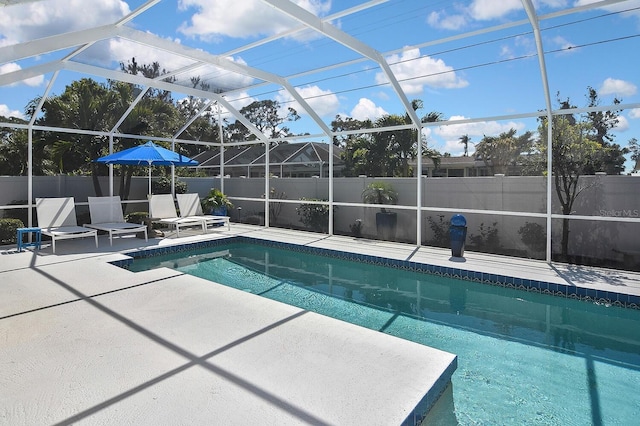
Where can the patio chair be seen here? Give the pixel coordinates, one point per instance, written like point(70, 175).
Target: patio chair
point(106, 215)
point(190, 207)
point(163, 210)
point(57, 219)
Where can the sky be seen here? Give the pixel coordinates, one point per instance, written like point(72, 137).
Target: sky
point(438, 50)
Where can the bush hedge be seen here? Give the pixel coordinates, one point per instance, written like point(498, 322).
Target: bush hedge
point(8, 230)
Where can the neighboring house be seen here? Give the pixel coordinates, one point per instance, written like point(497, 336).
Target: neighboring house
point(285, 160)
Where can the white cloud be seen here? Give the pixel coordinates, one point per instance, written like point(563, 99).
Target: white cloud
point(622, 125)
point(634, 113)
point(612, 86)
point(6, 112)
point(414, 72)
point(324, 102)
point(446, 22)
point(366, 109)
point(240, 100)
point(521, 46)
point(476, 131)
point(562, 43)
point(484, 10)
point(478, 10)
point(123, 50)
point(34, 20)
point(631, 5)
point(456, 149)
point(12, 66)
point(241, 19)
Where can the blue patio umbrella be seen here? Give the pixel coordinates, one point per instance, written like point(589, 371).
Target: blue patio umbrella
point(148, 154)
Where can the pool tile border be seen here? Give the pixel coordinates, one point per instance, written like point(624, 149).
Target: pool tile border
point(535, 286)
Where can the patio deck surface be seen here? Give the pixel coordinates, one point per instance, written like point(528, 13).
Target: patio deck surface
point(82, 341)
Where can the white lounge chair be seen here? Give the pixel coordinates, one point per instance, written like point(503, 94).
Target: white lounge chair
point(106, 215)
point(163, 210)
point(57, 219)
point(190, 207)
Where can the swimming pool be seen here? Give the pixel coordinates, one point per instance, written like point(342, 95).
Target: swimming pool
point(523, 357)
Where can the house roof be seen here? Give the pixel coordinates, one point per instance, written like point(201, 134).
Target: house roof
point(293, 153)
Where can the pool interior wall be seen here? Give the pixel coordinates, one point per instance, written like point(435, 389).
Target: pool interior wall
point(537, 286)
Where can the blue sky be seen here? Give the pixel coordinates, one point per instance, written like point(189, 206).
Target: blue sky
point(487, 75)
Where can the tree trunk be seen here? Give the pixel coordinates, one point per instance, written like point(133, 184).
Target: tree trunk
point(565, 239)
point(125, 183)
point(96, 182)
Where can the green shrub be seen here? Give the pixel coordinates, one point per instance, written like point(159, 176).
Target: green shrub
point(534, 236)
point(214, 200)
point(22, 214)
point(440, 229)
point(275, 208)
point(163, 186)
point(8, 230)
point(487, 241)
point(314, 216)
point(136, 217)
point(356, 228)
point(379, 193)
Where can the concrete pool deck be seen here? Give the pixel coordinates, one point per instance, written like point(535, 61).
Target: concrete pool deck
point(85, 342)
point(82, 341)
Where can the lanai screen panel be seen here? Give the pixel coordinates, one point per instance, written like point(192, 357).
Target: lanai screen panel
point(595, 49)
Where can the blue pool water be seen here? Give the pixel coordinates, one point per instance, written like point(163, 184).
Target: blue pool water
point(523, 358)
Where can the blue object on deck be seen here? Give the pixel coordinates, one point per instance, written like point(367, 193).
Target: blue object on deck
point(36, 242)
point(148, 154)
point(458, 234)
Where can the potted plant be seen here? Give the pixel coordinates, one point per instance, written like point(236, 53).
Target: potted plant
point(216, 203)
point(386, 221)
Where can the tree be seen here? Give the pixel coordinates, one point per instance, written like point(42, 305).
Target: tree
point(344, 124)
point(355, 145)
point(84, 104)
point(384, 153)
point(427, 152)
point(580, 146)
point(205, 127)
point(634, 149)
point(265, 115)
point(465, 140)
point(154, 115)
point(151, 71)
point(392, 149)
point(504, 151)
point(13, 150)
point(572, 153)
point(611, 156)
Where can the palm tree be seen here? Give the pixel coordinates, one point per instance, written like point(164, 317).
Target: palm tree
point(85, 104)
point(464, 140)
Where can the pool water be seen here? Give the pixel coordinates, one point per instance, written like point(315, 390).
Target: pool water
point(523, 358)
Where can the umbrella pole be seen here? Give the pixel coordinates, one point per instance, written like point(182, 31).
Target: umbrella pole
point(149, 180)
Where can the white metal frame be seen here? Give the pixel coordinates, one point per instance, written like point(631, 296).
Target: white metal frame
point(81, 40)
